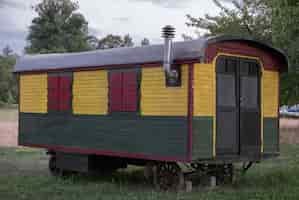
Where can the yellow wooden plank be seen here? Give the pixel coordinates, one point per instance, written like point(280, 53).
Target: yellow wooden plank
point(90, 92)
point(270, 84)
point(203, 90)
point(33, 93)
point(159, 100)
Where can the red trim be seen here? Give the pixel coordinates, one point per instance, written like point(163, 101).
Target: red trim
point(115, 91)
point(190, 109)
point(89, 68)
point(269, 59)
point(107, 153)
point(53, 93)
point(129, 91)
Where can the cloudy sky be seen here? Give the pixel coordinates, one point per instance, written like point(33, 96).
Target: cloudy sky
point(139, 18)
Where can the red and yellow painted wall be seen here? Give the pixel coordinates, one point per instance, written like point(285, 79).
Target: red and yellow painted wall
point(163, 111)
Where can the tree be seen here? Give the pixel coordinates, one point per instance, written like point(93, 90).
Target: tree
point(93, 42)
point(8, 82)
point(127, 41)
point(272, 21)
point(7, 51)
point(252, 19)
point(57, 28)
point(115, 41)
point(145, 42)
point(186, 37)
point(285, 20)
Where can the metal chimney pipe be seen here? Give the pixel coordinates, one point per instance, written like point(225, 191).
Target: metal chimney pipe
point(168, 33)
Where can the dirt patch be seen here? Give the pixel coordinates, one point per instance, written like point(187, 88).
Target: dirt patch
point(8, 134)
point(289, 131)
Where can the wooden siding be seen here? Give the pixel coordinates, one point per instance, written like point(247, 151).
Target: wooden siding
point(202, 135)
point(159, 100)
point(33, 93)
point(271, 135)
point(90, 92)
point(204, 89)
point(116, 135)
point(270, 88)
point(123, 88)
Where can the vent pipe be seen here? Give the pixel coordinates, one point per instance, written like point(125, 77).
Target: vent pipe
point(168, 33)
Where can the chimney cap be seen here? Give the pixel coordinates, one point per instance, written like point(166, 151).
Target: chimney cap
point(168, 31)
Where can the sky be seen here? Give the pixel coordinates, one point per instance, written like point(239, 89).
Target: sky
point(139, 18)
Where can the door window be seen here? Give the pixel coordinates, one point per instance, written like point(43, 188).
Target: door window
point(249, 84)
point(226, 81)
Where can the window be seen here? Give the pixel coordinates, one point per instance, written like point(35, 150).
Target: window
point(123, 91)
point(226, 82)
point(175, 81)
point(59, 92)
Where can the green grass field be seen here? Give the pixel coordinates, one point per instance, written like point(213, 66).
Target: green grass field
point(24, 175)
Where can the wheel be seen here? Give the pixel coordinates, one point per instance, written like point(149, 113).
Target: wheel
point(169, 176)
point(53, 166)
point(225, 174)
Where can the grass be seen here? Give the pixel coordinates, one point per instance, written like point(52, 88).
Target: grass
point(24, 175)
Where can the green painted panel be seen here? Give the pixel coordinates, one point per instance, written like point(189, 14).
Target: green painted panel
point(271, 135)
point(202, 146)
point(152, 136)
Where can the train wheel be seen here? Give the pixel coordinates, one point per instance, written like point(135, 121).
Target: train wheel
point(169, 176)
point(53, 166)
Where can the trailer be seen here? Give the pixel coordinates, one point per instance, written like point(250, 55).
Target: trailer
point(205, 103)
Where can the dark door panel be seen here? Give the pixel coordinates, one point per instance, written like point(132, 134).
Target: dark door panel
point(227, 140)
point(249, 134)
point(249, 109)
point(238, 107)
point(227, 136)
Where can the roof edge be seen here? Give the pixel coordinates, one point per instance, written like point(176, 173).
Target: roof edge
point(223, 38)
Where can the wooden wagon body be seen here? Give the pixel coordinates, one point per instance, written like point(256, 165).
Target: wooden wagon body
point(117, 102)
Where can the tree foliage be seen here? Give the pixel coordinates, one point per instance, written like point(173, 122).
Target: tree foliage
point(115, 41)
point(251, 18)
point(272, 21)
point(145, 42)
point(57, 28)
point(8, 82)
point(286, 36)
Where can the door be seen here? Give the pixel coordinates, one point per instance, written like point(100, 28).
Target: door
point(238, 107)
point(250, 137)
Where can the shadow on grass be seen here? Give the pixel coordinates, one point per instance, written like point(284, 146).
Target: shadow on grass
point(133, 177)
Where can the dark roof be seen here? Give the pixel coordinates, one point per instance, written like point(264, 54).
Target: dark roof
point(186, 50)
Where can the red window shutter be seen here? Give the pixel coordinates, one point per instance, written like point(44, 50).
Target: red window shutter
point(53, 96)
point(129, 91)
point(65, 93)
point(115, 87)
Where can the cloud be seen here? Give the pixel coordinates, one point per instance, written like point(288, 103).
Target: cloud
point(14, 38)
point(230, 1)
point(167, 3)
point(121, 19)
point(11, 4)
point(95, 32)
